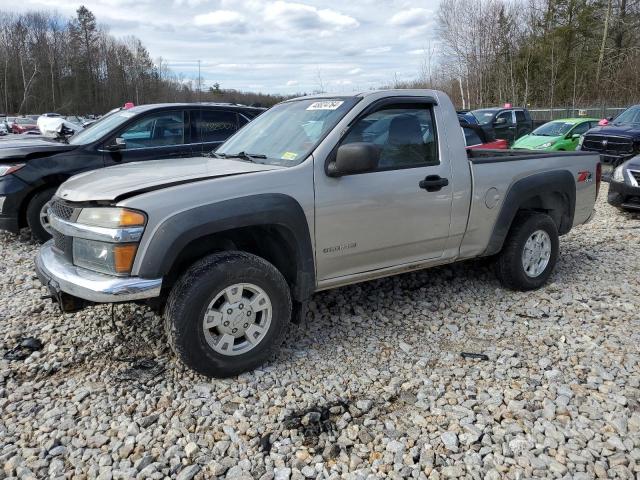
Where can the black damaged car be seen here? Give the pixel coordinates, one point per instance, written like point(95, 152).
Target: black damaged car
point(624, 186)
point(32, 169)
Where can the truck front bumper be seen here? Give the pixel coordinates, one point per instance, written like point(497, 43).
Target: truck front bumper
point(61, 276)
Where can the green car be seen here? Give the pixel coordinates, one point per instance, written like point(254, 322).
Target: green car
point(556, 135)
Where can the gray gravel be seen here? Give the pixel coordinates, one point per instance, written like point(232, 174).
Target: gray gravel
point(373, 385)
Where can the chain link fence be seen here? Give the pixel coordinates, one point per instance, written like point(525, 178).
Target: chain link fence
point(546, 114)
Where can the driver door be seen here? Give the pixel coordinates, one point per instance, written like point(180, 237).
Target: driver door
point(504, 126)
point(154, 136)
point(386, 217)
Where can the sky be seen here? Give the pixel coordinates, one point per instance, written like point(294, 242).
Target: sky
point(274, 46)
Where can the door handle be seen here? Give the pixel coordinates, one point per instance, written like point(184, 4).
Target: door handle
point(433, 183)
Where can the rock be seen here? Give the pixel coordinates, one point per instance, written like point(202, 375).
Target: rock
point(188, 472)
point(450, 440)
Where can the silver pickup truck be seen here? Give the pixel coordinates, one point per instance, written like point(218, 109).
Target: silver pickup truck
point(316, 193)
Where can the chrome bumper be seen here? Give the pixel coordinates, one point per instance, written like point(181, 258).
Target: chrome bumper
point(60, 275)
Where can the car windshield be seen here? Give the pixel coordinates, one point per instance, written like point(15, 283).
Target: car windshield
point(484, 116)
point(100, 128)
point(24, 121)
point(288, 132)
point(553, 129)
point(630, 116)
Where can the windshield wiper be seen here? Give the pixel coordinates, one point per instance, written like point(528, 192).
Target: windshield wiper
point(245, 156)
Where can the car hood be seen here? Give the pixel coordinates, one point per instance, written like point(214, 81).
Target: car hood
point(122, 181)
point(533, 141)
point(632, 131)
point(26, 148)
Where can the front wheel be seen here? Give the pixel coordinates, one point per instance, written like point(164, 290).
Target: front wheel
point(529, 253)
point(37, 217)
point(227, 313)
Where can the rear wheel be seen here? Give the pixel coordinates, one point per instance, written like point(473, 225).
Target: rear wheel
point(529, 253)
point(227, 313)
point(37, 218)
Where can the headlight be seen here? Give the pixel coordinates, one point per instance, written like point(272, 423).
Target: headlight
point(618, 175)
point(109, 217)
point(109, 258)
point(545, 145)
point(110, 235)
point(7, 169)
point(580, 140)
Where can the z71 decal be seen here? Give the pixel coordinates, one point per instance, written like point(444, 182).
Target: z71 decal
point(584, 176)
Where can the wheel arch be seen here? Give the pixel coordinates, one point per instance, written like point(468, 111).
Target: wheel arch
point(48, 182)
point(553, 193)
point(272, 226)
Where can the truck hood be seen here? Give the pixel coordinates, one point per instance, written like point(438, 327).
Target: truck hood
point(631, 131)
point(23, 148)
point(531, 142)
point(122, 181)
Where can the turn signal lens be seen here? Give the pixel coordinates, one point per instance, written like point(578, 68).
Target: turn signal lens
point(123, 256)
point(129, 218)
point(110, 217)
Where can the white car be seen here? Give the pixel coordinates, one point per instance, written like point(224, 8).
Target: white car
point(3, 129)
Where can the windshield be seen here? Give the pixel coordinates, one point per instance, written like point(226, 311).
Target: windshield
point(100, 128)
point(24, 121)
point(484, 116)
point(553, 129)
point(288, 132)
point(630, 116)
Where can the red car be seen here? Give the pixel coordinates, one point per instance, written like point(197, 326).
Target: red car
point(476, 138)
point(22, 125)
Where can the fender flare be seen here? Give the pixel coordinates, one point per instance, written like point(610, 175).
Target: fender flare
point(543, 185)
point(177, 231)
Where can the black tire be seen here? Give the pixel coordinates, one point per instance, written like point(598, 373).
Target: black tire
point(509, 266)
point(38, 232)
point(196, 289)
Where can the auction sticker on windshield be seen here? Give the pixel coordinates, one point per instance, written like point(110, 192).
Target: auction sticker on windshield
point(289, 156)
point(326, 105)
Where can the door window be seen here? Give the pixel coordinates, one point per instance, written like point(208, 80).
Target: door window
point(155, 130)
point(406, 136)
point(214, 125)
point(507, 116)
point(520, 116)
point(580, 129)
point(471, 138)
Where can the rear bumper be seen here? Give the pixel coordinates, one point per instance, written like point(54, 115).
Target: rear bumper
point(623, 195)
point(61, 276)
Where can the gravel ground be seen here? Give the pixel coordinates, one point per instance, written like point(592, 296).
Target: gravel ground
point(373, 384)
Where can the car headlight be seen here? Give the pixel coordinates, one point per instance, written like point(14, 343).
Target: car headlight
point(618, 175)
point(109, 258)
point(545, 145)
point(117, 226)
point(580, 140)
point(111, 217)
point(7, 169)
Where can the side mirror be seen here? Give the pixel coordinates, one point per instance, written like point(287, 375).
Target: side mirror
point(119, 144)
point(353, 158)
point(500, 121)
point(575, 136)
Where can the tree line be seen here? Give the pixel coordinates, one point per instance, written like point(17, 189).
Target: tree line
point(49, 63)
point(536, 52)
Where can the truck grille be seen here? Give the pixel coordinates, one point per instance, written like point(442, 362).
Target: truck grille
point(605, 144)
point(61, 210)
